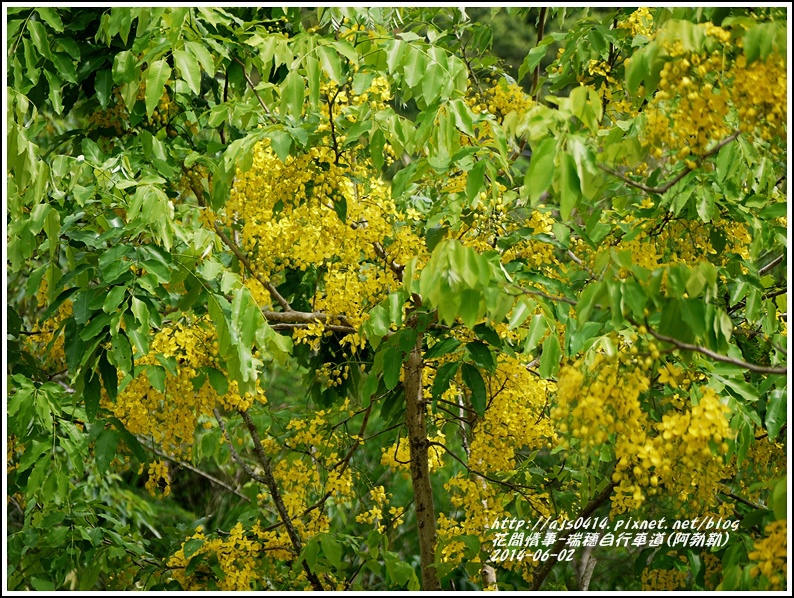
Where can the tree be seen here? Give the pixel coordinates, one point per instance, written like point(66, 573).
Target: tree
point(325, 299)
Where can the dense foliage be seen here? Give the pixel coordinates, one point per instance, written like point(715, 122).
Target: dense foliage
point(312, 298)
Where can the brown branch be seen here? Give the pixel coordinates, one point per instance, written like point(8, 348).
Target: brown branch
point(294, 325)
point(190, 467)
point(547, 296)
point(741, 500)
point(770, 265)
point(396, 268)
point(246, 262)
point(253, 88)
point(235, 455)
point(666, 187)
point(760, 369)
point(275, 494)
point(536, 76)
point(545, 568)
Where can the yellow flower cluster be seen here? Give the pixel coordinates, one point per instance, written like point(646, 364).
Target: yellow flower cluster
point(325, 209)
point(764, 460)
point(679, 241)
point(770, 554)
point(688, 113)
point(42, 341)
point(238, 557)
point(676, 453)
point(514, 419)
point(170, 417)
point(759, 93)
point(398, 456)
point(713, 573)
point(702, 94)
point(374, 516)
point(159, 479)
point(11, 450)
point(536, 253)
point(640, 22)
point(113, 117)
point(663, 580)
point(500, 99)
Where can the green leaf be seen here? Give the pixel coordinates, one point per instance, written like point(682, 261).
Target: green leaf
point(474, 181)
point(121, 351)
point(331, 549)
point(156, 76)
point(51, 17)
point(481, 355)
point(329, 59)
point(635, 71)
point(40, 38)
point(473, 379)
point(488, 334)
point(414, 66)
point(125, 68)
point(775, 417)
point(192, 546)
point(156, 376)
point(340, 207)
point(550, 358)
point(203, 56)
point(92, 393)
point(444, 374)
point(105, 449)
point(541, 169)
point(103, 85)
point(778, 501)
point(189, 69)
point(569, 186)
point(537, 328)
point(392, 364)
point(95, 327)
point(281, 142)
point(463, 118)
point(531, 61)
point(64, 65)
point(441, 348)
point(218, 380)
point(109, 376)
point(758, 41)
point(113, 299)
point(292, 91)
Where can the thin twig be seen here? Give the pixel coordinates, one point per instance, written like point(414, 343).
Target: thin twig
point(396, 268)
point(543, 571)
point(245, 261)
point(666, 187)
point(253, 88)
point(536, 76)
point(770, 265)
point(275, 494)
point(760, 369)
point(203, 474)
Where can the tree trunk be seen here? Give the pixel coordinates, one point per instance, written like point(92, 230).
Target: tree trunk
point(420, 475)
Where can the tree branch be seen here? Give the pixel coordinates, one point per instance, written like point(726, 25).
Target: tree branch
point(396, 268)
point(246, 262)
point(196, 470)
point(770, 265)
point(536, 76)
point(275, 494)
point(253, 88)
point(666, 187)
point(545, 568)
point(760, 369)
